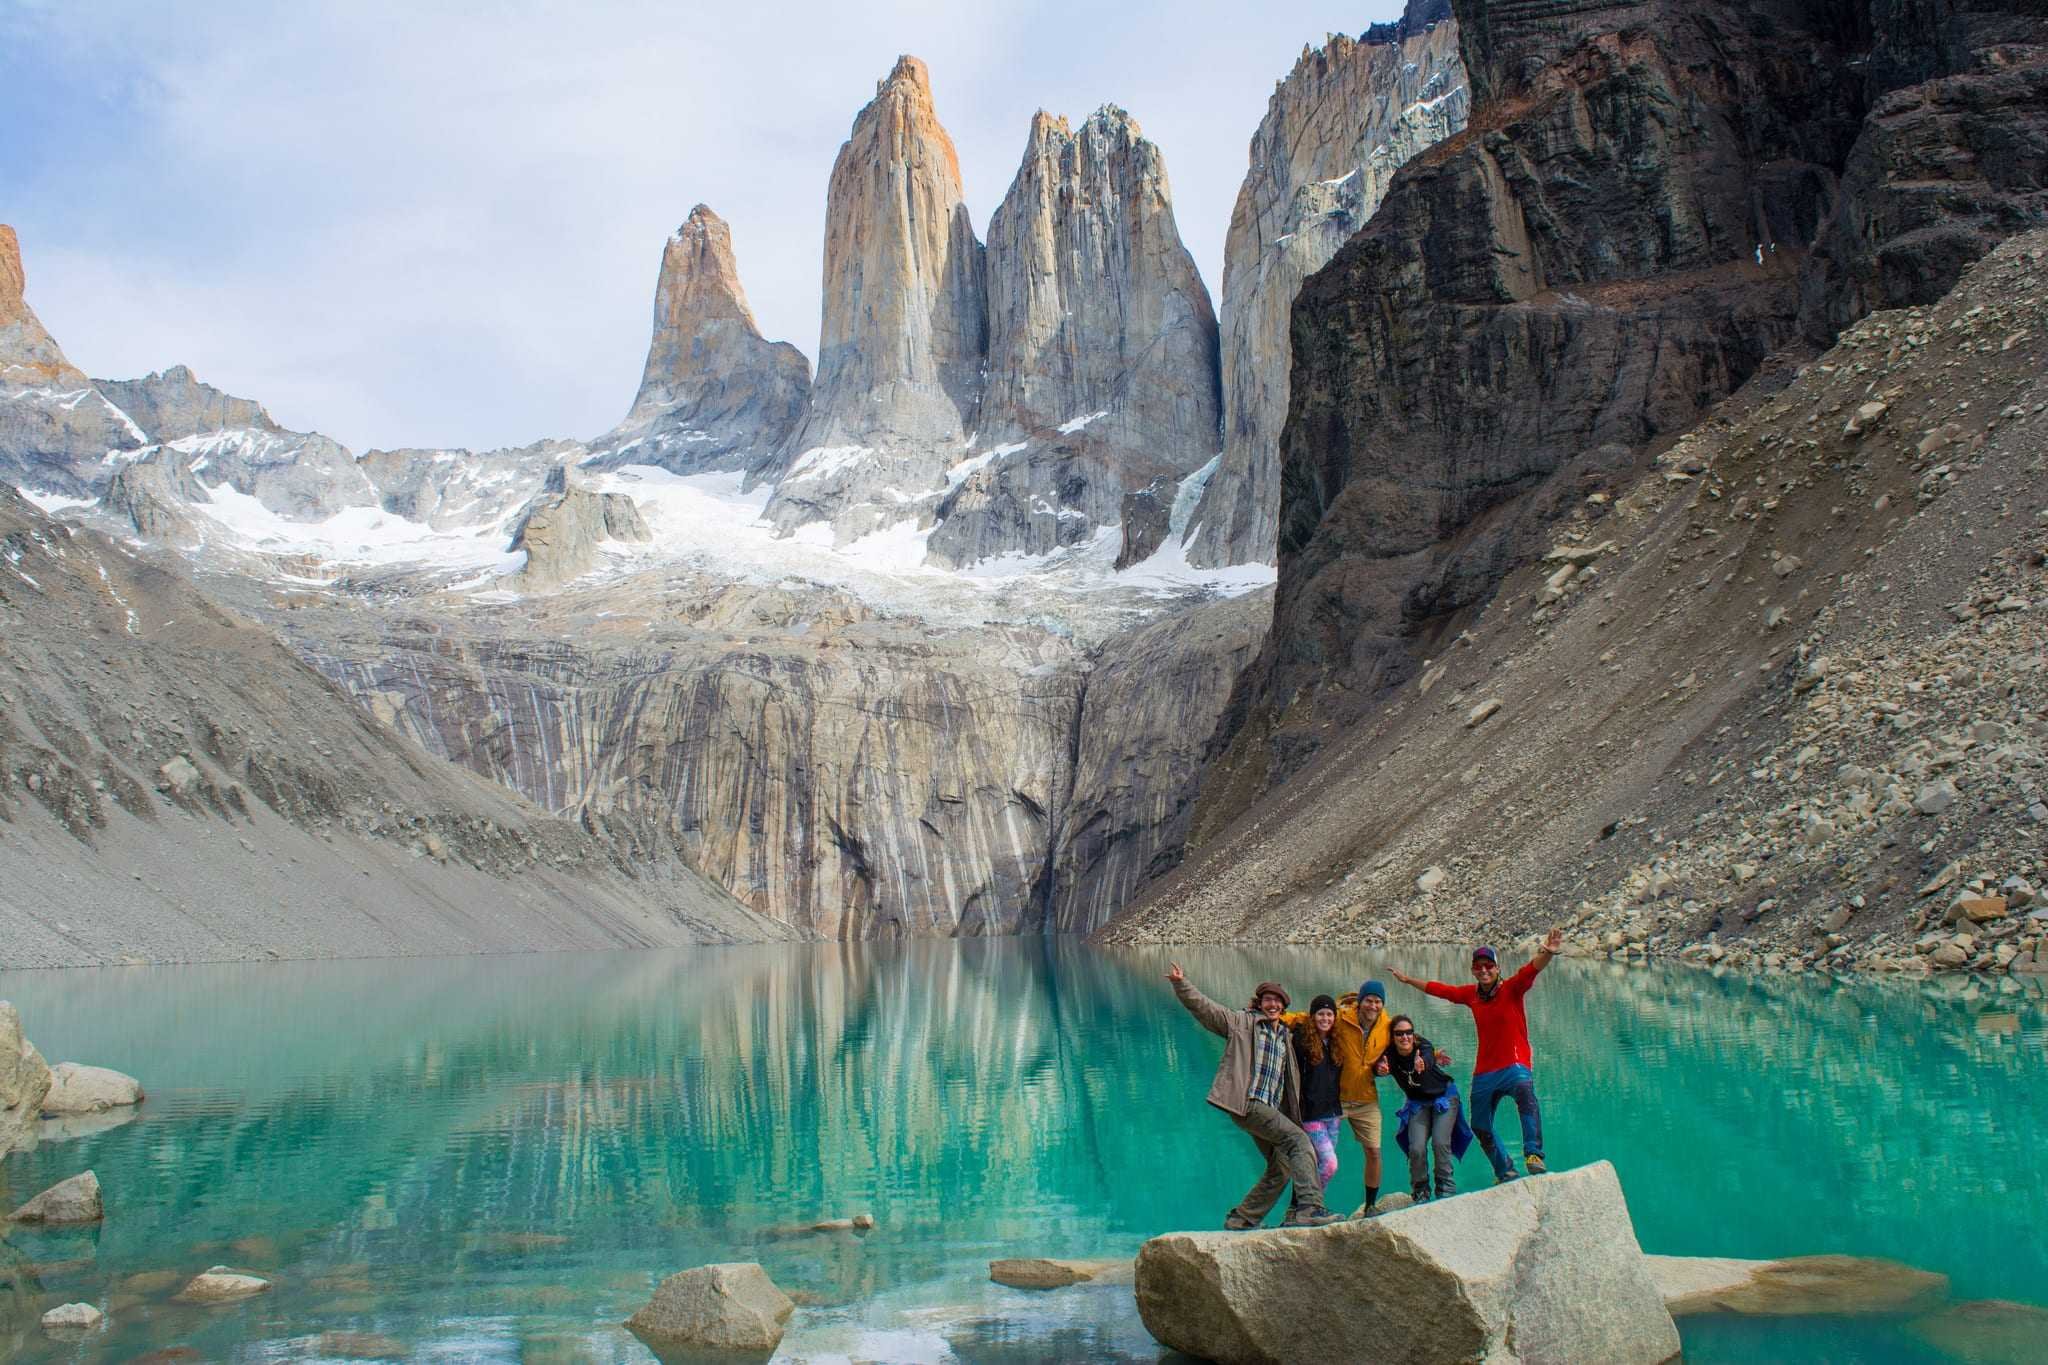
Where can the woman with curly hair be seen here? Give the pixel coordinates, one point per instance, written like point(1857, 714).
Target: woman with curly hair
point(1322, 1104)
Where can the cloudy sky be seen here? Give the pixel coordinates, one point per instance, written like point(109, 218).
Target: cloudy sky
point(428, 224)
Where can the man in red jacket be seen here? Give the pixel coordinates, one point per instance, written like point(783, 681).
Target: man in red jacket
point(1502, 1067)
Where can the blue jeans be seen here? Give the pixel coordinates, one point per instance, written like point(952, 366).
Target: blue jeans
point(1488, 1090)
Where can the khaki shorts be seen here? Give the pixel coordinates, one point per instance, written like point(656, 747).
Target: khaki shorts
point(1365, 1123)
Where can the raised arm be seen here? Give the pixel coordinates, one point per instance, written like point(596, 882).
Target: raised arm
point(1435, 988)
point(1552, 943)
point(1207, 1012)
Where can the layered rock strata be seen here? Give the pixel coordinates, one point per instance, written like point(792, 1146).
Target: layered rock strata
point(905, 328)
point(850, 772)
point(715, 394)
point(1343, 121)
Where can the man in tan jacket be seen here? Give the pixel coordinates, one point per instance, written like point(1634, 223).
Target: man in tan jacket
point(1258, 1086)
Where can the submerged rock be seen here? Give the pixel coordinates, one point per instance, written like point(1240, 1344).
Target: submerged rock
point(24, 1081)
point(1793, 1287)
point(72, 1317)
point(1542, 1269)
point(728, 1307)
point(76, 1200)
point(1039, 1272)
point(221, 1285)
point(76, 1089)
point(1987, 1331)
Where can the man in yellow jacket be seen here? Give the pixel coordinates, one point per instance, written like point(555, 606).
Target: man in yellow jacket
point(1361, 1039)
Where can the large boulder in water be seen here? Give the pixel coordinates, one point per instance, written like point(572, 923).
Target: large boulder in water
point(76, 1089)
point(728, 1307)
point(24, 1081)
point(1543, 1269)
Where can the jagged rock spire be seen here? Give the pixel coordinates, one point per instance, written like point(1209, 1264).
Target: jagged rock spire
point(1095, 306)
point(28, 354)
point(906, 304)
point(715, 393)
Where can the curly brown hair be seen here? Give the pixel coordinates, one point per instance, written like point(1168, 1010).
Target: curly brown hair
point(1310, 1039)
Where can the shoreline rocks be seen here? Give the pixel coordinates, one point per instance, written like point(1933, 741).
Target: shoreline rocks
point(24, 1082)
point(1546, 1268)
point(72, 1317)
point(732, 1306)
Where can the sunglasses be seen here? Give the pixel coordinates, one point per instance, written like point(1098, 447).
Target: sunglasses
point(1404, 1033)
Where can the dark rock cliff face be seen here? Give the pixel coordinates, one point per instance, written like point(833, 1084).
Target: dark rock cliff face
point(1614, 244)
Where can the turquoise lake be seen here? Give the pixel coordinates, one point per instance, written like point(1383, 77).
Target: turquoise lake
point(497, 1158)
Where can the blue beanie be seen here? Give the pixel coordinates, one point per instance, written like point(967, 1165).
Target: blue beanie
point(1373, 988)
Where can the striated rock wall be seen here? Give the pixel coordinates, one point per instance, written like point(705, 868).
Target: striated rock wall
point(845, 772)
point(1344, 120)
point(905, 319)
point(715, 394)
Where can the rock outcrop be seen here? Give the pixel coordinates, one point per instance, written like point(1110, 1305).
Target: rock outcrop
point(24, 1082)
point(76, 1089)
point(1348, 116)
point(715, 394)
point(1102, 347)
point(905, 330)
point(1539, 1270)
point(76, 1200)
point(729, 1307)
point(173, 404)
point(562, 529)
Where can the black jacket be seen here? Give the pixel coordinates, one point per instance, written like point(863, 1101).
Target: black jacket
point(1427, 1084)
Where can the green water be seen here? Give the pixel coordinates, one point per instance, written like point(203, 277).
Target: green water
point(496, 1158)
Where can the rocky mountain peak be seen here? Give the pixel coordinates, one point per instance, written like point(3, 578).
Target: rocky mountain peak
point(905, 318)
point(1344, 120)
point(173, 404)
point(28, 354)
point(715, 393)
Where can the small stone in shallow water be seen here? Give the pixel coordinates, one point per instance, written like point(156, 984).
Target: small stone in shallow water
point(71, 1317)
point(221, 1285)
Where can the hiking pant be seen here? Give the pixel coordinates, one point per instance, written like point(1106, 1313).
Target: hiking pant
point(1488, 1090)
point(1429, 1131)
point(1290, 1157)
point(1322, 1135)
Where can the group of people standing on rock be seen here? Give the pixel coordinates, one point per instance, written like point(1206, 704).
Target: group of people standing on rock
point(1294, 1080)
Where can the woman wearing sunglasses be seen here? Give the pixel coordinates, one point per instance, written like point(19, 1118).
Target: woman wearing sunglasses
point(1433, 1119)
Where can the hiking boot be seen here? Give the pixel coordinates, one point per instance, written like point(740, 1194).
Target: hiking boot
point(1446, 1190)
point(1534, 1161)
point(1420, 1194)
point(1316, 1218)
point(1503, 1177)
point(1238, 1223)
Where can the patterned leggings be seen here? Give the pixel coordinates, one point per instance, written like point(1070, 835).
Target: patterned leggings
point(1322, 1133)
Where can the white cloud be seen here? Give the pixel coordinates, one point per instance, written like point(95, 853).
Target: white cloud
point(439, 227)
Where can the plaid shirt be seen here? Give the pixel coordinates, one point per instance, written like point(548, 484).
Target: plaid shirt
point(1269, 1060)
